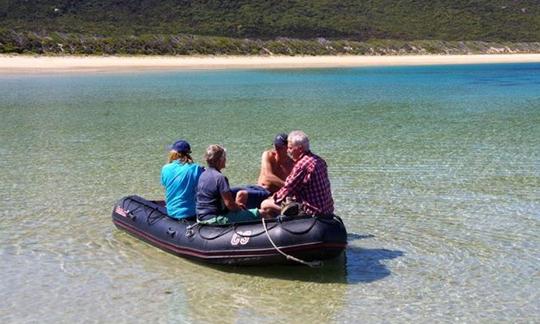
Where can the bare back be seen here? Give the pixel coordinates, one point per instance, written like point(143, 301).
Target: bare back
point(274, 170)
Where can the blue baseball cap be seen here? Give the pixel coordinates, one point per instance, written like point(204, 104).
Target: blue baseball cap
point(280, 140)
point(181, 146)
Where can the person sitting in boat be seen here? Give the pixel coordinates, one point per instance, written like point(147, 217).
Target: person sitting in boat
point(180, 177)
point(215, 202)
point(307, 184)
point(275, 167)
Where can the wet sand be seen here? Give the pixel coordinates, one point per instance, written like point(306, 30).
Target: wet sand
point(23, 64)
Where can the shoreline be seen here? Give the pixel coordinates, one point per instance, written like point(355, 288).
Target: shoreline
point(22, 64)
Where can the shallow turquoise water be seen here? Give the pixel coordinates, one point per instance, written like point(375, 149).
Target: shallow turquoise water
point(435, 170)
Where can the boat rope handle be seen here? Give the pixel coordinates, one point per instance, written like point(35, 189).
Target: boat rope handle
point(149, 219)
point(303, 231)
point(250, 235)
point(225, 231)
point(311, 264)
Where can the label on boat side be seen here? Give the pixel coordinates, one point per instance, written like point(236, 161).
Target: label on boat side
point(120, 211)
point(239, 238)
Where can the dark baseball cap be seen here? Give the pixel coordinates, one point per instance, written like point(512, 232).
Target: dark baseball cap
point(181, 146)
point(280, 140)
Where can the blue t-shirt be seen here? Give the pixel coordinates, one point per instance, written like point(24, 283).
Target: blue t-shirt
point(209, 202)
point(180, 182)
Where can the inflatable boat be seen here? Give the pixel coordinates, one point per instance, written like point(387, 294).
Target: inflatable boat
point(282, 240)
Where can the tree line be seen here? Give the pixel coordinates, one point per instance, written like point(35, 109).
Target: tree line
point(275, 26)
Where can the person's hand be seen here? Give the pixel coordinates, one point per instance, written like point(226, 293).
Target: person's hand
point(241, 206)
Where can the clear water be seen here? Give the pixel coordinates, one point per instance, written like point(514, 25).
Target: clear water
point(435, 170)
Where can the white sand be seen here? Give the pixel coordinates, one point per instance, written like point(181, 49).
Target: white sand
point(22, 64)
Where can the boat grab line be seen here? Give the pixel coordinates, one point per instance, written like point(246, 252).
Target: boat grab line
point(311, 264)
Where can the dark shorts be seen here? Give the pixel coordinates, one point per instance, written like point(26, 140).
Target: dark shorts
point(256, 194)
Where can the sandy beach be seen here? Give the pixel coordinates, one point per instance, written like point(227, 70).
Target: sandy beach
point(21, 64)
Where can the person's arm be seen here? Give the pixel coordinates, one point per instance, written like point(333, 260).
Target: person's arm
point(294, 181)
point(268, 176)
point(230, 203)
point(226, 194)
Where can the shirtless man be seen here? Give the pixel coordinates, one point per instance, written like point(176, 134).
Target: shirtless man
point(275, 167)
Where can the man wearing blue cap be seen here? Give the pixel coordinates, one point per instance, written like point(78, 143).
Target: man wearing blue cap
point(275, 167)
point(180, 177)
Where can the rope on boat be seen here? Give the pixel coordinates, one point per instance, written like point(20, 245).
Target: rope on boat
point(149, 219)
point(311, 264)
point(242, 234)
point(303, 231)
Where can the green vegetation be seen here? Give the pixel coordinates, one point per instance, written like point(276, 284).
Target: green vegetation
point(289, 27)
point(78, 44)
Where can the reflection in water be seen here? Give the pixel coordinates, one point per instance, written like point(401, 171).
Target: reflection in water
point(196, 292)
point(332, 271)
point(356, 236)
point(203, 292)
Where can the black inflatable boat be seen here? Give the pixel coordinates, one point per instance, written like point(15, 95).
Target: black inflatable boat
point(277, 241)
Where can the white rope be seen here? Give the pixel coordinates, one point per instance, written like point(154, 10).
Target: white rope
point(312, 264)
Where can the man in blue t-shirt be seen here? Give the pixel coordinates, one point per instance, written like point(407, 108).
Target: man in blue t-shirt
point(180, 178)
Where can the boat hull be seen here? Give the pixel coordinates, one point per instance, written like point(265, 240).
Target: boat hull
point(250, 243)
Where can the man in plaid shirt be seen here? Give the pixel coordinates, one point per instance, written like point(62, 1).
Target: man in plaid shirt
point(307, 183)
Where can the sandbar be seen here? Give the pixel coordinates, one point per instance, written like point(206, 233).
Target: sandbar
point(27, 64)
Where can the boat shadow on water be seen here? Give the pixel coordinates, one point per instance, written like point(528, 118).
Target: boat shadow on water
point(355, 265)
point(365, 265)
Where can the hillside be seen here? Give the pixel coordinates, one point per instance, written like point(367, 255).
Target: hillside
point(346, 20)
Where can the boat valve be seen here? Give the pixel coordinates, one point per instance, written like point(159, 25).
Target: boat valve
point(171, 232)
point(189, 230)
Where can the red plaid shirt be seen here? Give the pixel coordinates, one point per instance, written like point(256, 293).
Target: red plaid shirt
point(308, 183)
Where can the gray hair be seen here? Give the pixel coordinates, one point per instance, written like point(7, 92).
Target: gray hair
point(297, 138)
point(214, 154)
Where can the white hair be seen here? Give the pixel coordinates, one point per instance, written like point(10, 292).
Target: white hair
point(298, 137)
point(215, 154)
